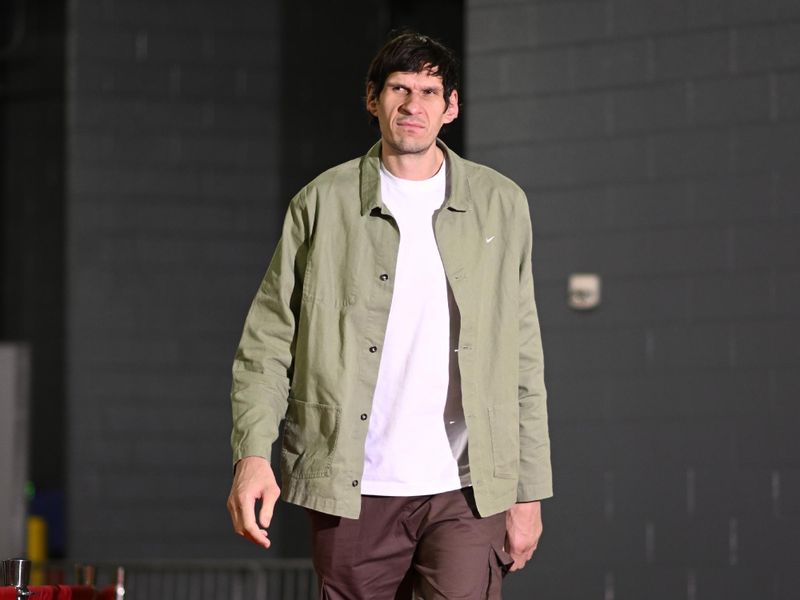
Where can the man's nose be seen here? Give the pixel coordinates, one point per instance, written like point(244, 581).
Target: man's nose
point(411, 104)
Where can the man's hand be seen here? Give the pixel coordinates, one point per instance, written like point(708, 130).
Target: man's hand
point(523, 530)
point(253, 481)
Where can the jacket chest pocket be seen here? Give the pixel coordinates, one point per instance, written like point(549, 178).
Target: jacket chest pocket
point(310, 435)
point(331, 273)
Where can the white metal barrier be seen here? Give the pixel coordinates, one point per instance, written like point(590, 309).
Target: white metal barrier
point(280, 579)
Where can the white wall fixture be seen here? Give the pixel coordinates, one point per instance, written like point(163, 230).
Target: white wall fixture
point(13, 448)
point(583, 291)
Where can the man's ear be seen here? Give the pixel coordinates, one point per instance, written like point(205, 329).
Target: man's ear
point(371, 100)
point(451, 112)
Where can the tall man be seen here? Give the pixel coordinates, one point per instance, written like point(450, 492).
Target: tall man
point(396, 333)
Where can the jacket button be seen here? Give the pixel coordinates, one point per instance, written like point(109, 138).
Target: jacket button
point(384, 277)
point(363, 416)
point(355, 482)
point(373, 349)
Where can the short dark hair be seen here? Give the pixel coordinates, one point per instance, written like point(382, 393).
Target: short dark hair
point(412, 52)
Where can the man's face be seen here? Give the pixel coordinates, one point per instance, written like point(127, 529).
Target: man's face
point(411, 110)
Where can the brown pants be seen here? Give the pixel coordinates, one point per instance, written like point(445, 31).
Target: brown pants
point(429, 547)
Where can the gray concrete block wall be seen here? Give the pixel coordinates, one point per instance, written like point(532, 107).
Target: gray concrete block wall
point(172, 210)
point(657, 141)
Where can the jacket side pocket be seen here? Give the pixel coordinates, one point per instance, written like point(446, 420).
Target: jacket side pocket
point(310, 435)
point(504, 426)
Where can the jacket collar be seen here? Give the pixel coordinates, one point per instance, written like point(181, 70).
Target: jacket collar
point(457, 196)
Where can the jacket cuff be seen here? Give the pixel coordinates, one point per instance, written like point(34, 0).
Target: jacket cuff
point(247, 448)
point(534, 491)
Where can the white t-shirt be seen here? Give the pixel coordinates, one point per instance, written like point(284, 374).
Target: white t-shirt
point(417, 439)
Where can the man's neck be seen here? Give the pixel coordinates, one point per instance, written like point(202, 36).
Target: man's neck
point(412, 166)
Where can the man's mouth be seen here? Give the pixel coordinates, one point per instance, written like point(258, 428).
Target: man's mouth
point(410, 125)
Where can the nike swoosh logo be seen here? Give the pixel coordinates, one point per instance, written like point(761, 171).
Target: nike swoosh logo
point(489, 239)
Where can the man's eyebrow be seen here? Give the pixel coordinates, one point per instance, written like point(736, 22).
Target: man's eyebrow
point(436, 89)
point(432, 88)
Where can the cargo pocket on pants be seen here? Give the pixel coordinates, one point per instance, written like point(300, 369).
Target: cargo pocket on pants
point(500, 562)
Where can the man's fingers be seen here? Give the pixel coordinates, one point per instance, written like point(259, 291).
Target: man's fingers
point(523, 531)
point(237, 515)
point(257, 535)
point(245, 523)
point(251, 529)
point(236, 518)
point(267, 508)
point(253, 480)
point(520, 558)
point(519, 562)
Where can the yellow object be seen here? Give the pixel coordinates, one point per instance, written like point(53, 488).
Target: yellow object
point(37, 548)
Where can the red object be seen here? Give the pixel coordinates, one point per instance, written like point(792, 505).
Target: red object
point(56, 592)
point(76, 592)
point(8, 593)
point(107, 593)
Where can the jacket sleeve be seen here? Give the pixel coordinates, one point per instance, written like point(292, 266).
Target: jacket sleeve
point(262, 367)
point(535, 475)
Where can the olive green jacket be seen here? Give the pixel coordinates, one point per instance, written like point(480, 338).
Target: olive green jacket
point(313, 337)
